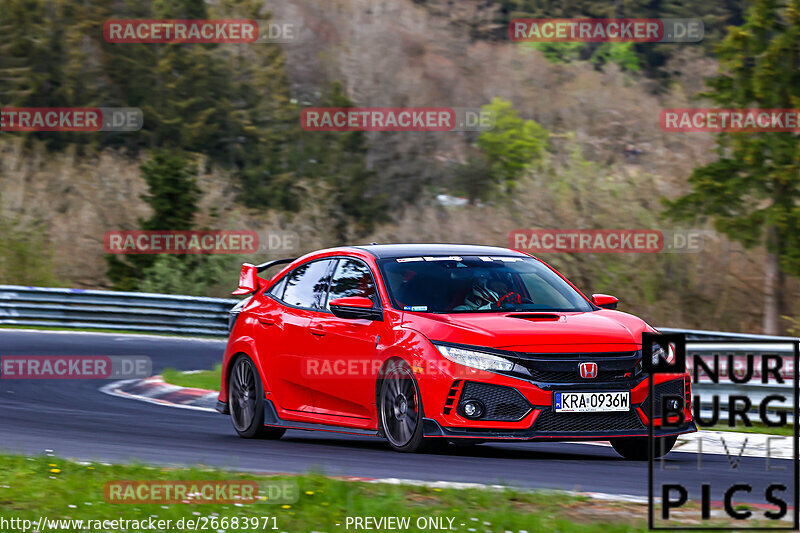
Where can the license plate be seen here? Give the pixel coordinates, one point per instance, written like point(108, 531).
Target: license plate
point(591, 402)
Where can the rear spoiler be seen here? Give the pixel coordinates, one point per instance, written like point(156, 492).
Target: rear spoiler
point(248, 279)
point(269, 264)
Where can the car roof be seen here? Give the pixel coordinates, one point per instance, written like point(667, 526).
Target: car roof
point(390, 251)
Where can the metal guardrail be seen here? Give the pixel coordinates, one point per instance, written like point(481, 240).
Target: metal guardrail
point(168, 313)
point(754, 390)
point(701, 334)
point(124, 311)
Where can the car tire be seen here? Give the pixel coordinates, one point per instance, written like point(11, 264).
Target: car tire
point(636, 448)
point(400, 409)
point(246, 401)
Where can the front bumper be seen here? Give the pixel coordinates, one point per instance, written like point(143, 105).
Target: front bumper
point(522, 409)
point(527, 419)
point(431, 428)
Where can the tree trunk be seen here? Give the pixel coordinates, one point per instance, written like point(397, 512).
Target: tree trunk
point(773, 287)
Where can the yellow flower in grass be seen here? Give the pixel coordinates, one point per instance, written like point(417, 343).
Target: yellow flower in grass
point(55, 470)
point(286, 506)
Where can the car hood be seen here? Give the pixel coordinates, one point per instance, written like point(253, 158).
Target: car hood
point(596, 331)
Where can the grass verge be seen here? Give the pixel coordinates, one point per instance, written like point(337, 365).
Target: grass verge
point(198, 379)
point(787, 430)
point(32, 487)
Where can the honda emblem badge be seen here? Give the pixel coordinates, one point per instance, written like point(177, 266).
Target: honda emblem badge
point(588, 370)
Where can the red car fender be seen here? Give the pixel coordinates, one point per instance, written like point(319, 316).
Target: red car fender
point(243, 344)
point(425, 361)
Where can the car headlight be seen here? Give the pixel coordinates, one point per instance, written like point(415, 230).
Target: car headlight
point(659, 353)
point(474, 359)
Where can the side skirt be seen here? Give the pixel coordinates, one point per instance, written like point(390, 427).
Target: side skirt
point(272, 419)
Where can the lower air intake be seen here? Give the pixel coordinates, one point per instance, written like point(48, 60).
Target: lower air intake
point(587, 422)
point(501, 403)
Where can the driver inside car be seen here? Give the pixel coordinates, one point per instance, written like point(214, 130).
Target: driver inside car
point(487, 293)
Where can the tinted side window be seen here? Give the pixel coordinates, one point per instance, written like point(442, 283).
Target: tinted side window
point(277, 289)
point(306, 284)
point(353, 278)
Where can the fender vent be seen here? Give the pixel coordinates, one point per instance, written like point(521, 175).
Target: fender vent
point(451, 397)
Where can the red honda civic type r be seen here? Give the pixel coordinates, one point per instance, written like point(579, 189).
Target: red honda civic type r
point(424, 343)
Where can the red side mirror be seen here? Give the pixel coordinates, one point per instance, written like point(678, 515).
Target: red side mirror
point(358, 302)
point(248, 280)
point(355, 307)
point(605, 301)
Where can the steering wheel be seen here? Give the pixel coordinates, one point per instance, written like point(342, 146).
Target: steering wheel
point(511, 298)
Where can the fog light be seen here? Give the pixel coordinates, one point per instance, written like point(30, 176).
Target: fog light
point(673, 405)
point(472, 409)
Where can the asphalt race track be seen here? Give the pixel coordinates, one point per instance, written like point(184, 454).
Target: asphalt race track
point(74, 420)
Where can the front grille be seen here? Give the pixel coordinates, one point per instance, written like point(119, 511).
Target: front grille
point(574, 376)
point(673, 388)
point(563, 368)
point(553, 422)
point(501, 403)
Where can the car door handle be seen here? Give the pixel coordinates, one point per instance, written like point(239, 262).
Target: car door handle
point(317, 330)
point(266, 321)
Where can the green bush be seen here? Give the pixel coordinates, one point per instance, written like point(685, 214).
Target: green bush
point(25, 255)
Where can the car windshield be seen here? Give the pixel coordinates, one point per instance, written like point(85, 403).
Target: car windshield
point(467, 284)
